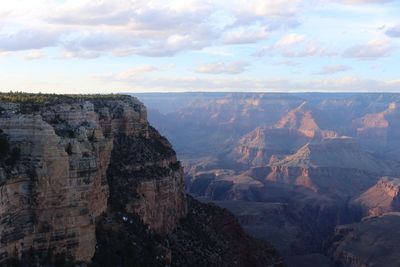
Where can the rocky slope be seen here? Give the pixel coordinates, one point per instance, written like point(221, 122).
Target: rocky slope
point(381, 198)
point(372, 242)
point(275, 161)
point(76, 168)
point(263, 144)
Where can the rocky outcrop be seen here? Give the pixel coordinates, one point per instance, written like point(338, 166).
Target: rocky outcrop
point(379, 130)
point(260, 145)
point(218, 240)
point(73, 157)
point(207, 236)
point(86, 180)
point(381, 198)
point(372, 242)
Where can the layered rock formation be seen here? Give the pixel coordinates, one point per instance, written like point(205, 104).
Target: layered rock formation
point(258, 147)
point(72, 167)
point(379, 130)
point(58, 187)
point(372, 242)
point(381, 198)
point(302, 120)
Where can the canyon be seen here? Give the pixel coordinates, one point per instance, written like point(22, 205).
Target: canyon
point(86, 181)
point(315, 174)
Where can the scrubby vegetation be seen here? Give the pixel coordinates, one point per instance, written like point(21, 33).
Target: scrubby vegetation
point(43, 99)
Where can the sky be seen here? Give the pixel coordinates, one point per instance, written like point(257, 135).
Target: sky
point(99, 46)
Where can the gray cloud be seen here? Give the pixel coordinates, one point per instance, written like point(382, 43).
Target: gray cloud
point(28, 39)
point(294, 46)
point(394, 31)
point(89, 29)
point(371, 50)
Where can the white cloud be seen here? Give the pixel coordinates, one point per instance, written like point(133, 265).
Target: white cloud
point(294, 45)
point(371, 50)
point(332, 69)
point(289, 40)
point(128, 75)
point(347, 83)
point(285, 63)
point(90, 28)
point(34, 54)
point(244, 36)
point(223, 67)
point(361, 2)
point(133, 72)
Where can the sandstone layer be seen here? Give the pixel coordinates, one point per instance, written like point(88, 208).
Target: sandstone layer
point(75, 158)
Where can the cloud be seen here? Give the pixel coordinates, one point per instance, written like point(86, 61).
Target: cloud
point(133, 72)
point(244, 36)
point(92, 28)
point(346, 83)
point(289, 40)
point(127, 75)
point(361, 2)
point(34, 54)
point(289, 63)
point(172, 45)
point(371, 50)
point(28, 39)
point(332, 69)
point(156, 28)
point(294, 46)
point(272, 14)
point(223, 67)
point(394, 31)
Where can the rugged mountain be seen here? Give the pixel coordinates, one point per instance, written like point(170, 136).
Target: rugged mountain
point(372, 242)
point(381, 198)
point(297, 201)
point(81, 176)
point(342, 152)
point(204, 124)
point(264, 144)
point(330, 166)
point(219, 120)
point(301, 119)
point(281, 163)
point(378, 131)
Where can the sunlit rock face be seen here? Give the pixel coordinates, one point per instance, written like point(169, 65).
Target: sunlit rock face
point(66, 163)
point(380, 198)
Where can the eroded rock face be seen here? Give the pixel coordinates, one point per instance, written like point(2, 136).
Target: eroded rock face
point(149, 165)
point(68, 156)
point(372, 242)
point(381, 198)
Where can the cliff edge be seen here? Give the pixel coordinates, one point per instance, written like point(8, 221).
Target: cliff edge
point(83, 175)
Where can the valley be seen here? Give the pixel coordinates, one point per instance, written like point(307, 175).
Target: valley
point(311, 173)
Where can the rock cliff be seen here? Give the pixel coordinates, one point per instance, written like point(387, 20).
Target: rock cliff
point(372, 242)
point(74, 169)
point(381, 198)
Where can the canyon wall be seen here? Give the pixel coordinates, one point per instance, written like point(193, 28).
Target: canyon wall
point(68, 158)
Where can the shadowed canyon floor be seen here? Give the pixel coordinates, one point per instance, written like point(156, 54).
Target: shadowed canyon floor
point(317, 175)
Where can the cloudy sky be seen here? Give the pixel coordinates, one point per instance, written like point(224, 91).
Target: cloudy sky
point(101, 46)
